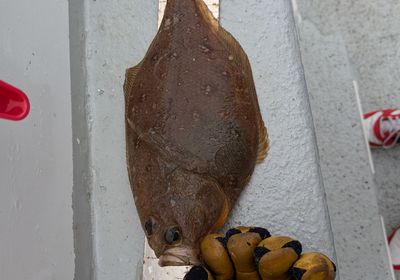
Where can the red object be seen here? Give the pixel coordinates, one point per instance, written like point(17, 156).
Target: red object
point(383, 128)
point(14, 104)
point(390, 239)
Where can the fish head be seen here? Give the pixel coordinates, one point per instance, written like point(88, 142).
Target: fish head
point(177, 219)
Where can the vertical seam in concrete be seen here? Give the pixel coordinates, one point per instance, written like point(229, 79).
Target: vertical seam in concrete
point(358, 99)
point(275, 56)
point(82, 177)
point(296, 13)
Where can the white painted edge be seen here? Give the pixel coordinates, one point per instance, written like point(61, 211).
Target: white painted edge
point(296, 11)
point(358, 99)
point(391, 269)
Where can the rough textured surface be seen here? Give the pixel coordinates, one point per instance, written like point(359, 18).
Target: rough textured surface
point(117, 35)
point(83, 222)
point(348, 180)
point(370, 30)
point(36, 238)
point(286, 193)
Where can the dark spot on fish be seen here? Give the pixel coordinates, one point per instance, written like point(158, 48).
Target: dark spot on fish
point(148, 168)
point(149, 226)
point(155, 57)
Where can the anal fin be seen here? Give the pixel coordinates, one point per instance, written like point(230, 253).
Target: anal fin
point(224, 213)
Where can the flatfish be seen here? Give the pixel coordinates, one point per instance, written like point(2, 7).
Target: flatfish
point(194, 130)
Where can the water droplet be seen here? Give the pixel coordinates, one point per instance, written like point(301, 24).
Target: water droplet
point(225, 73)
point(230, 57)
point(204, 49)
point(173, 202)
point(100, 91)
point(174, 54)
point(167, 23)
point(196, 116)
point(194, 59)
point(137, 143)
point(207, 89)
point(17, 204)
point(78, 141)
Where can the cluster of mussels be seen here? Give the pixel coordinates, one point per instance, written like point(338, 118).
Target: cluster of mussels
point(251, 253)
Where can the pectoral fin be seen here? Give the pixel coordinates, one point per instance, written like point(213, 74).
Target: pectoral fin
point(130, 77)
point(263, 143)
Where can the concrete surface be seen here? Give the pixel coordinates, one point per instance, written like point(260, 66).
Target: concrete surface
point(36, 239)
point(348, 180)
point(286, 193)
point(115, 36)
point(81, 197)
point(371, 30)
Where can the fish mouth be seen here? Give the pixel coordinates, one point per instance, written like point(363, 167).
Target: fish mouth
point(179, 256)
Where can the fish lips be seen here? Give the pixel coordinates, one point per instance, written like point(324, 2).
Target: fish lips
point(179, 256)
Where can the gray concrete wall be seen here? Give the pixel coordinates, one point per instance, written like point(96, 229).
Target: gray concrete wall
point(328, 58)
point(81, 196)
point(117, 33)
point(36, 238)
point(371, 32)
point(286, 192)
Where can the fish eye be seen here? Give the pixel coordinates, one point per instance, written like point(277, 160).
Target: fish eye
point(172, 235)
point(149, 226)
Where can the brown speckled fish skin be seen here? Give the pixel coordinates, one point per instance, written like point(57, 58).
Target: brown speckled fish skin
point(194, 131)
